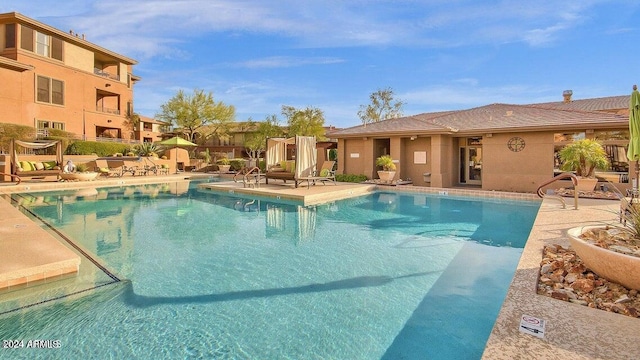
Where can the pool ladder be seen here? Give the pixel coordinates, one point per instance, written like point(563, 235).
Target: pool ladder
point(574, 180)
point(17, 178)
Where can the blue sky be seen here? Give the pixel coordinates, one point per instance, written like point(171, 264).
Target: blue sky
point(436, 55)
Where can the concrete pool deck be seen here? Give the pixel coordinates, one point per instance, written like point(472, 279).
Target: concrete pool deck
point(572, 331)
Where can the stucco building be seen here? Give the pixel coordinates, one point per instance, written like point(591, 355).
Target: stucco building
point(494, 147)
point(56, 79)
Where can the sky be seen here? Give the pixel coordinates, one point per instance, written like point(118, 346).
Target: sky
point(435, 55)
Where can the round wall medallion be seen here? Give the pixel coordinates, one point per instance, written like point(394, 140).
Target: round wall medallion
point(515, 144)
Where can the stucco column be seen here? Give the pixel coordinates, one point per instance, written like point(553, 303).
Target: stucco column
point(442, 161)
point(396, 152)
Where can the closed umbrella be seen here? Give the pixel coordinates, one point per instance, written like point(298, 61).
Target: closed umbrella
point(633, 151)
point(176, 142)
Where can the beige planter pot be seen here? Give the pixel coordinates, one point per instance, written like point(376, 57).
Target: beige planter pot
point(224, 168)
point(586, 184)
point(620, 268)
point(386, 176)
point(85, 176)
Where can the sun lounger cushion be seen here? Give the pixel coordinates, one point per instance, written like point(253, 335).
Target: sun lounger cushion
point(324, 172)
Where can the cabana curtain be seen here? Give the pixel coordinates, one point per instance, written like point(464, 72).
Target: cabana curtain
point(306, 156)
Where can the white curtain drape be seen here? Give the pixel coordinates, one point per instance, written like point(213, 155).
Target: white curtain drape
point(306, 156)
point(276, 151)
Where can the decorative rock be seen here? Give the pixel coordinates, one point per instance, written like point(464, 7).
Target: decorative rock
point(577, 284)
point(623, 299)
point(583, 285)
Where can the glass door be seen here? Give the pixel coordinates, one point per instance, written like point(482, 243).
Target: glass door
point(471, 162)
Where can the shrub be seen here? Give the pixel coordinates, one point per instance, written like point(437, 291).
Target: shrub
point(146, 149)
point(351, 178)
point(95, 147)
point(82, 167)
point(236, 164)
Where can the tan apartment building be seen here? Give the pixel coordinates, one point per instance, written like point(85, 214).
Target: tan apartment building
point(58, 79)
point(500, 147)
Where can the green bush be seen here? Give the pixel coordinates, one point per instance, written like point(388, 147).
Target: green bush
point(237, 164)
point(94, 147)
point(351, 178)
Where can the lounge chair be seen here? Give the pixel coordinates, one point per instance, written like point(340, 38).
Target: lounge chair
point(326, 173)
point(102, 167)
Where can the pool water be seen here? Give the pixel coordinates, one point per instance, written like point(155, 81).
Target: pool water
point(202, 275)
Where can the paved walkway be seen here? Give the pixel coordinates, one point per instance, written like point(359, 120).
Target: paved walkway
point(572, 331)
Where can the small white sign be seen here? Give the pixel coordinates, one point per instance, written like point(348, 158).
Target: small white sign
point(532, 326)
point(354, 155)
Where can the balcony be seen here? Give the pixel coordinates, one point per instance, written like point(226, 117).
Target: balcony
point(106, 74)
point(107, 110)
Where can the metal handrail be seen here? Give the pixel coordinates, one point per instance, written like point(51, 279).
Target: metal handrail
point(574, 180)
point(13, 176)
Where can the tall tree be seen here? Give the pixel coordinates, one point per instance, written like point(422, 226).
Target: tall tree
point(383, 106)
point(256, 142)
point(306, 122)
point(198, 114)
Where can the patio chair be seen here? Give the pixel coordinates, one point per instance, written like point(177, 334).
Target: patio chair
point(326, 173)
point(102, 167)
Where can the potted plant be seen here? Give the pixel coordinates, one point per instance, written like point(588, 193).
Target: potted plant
point(584, 157)
point(388, 171)
point(81, 173)
point(224, 165)
point(612, 251)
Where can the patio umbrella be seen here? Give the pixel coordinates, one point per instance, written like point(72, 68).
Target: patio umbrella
point(176, 142)
point(633, 151)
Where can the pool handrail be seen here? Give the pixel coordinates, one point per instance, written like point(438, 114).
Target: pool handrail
point(565, 175)
point(18, 181)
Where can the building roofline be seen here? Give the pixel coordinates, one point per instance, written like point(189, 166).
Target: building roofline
point(14, 65)
point(68, 37)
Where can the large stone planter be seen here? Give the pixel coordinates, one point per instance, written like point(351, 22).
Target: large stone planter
point(620, 268)
point(224, 168)
point(386, 176)
point(586, 184)
point(84, 176)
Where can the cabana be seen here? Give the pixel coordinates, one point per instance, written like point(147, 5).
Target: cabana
point(297, 169)
point(35, 168)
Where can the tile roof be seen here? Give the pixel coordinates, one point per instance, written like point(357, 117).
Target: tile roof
point(595, 113)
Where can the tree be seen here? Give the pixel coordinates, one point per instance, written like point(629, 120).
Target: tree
point(307, 122)
point(198, 114)
point(383, 106)
point(256, 142)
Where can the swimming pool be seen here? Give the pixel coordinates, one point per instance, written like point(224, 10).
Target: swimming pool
point(388, 275)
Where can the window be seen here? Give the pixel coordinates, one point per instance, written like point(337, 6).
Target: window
point(10, 36)
point(26, 38)
point(50, 90)
point(45, 45)
point(46, 124)
point(42, 44)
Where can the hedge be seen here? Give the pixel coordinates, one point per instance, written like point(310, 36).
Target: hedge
point(351, 178)
point(94, 147)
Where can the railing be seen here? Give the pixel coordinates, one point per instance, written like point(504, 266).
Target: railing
point(18, 179)
point(107, 110)
point(106, 74)
point(250, 176)
point(574, 180)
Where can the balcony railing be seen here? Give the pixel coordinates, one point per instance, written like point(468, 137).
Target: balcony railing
point(107, 110)
point(106, 74)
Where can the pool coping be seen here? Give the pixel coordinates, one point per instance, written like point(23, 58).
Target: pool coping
point(572, 331)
